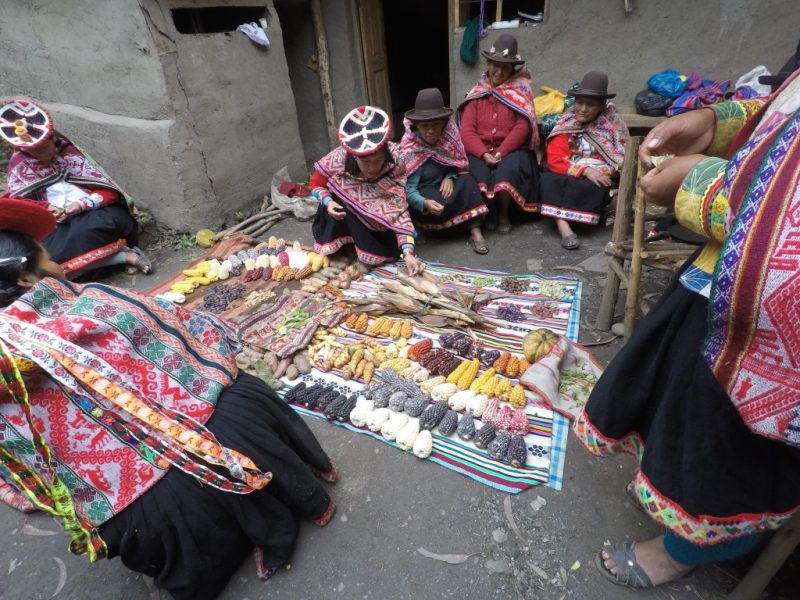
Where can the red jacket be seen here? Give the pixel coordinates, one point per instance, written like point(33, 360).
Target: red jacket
point(488, 125)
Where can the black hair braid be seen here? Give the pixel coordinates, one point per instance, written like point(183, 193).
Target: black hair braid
point(19, 253)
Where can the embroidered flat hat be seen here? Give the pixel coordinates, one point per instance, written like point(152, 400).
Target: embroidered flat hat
point(429, 106)
point(594, 85)
point(24, 124)
point(364, 130)
point(504, 50)
point(25, 216)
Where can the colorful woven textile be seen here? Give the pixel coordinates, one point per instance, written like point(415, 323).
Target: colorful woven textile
point(753, 346)
point(549, 302)
point(379, 204)
point(606, 133)
point(449, 151)
point(120, 387)
point(516, 93)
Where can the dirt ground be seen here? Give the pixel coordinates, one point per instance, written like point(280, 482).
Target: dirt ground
point(390, 504)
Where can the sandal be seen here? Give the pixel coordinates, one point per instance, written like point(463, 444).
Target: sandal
point(142, 263)
point(505, 227)
point(570, 242)
point(479, 246)
point(629, 572)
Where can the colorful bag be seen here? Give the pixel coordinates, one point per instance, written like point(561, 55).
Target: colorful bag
point(709, 92)
point(551, 103)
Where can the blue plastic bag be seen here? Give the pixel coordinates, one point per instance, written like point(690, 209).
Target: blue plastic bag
point(667, 83)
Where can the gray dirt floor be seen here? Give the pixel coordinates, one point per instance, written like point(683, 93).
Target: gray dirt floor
point(390, 504)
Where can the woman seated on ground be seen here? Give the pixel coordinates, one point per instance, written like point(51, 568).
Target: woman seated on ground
point(498, 127)
point(177, 464)
point(706, 393)
point(361, 190)
point(584, 155)
point(440, 191)
point(95, 226)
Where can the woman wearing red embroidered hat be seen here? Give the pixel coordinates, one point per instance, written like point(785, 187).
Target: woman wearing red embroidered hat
point(95, 226)
point(361, 189)
point(124, 417)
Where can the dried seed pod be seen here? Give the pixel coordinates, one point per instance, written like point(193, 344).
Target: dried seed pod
point(517, 452)
point(466, 427)
point(397, 401)
point(415, 405)
point(449, 423)
point(499, 445)
point(432, 415)
point(485, 435)
point(292, 394)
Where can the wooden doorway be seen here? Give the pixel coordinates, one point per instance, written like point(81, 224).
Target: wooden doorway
point(373, 50)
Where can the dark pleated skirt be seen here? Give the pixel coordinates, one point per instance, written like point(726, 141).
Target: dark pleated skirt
point(192, 538)
point(464, 205)
point(372, 247)
point(572, 199)
point(698, 456)
point(91, 230)
point(516, 174)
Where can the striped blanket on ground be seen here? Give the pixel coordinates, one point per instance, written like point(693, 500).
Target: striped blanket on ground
point(552, 302)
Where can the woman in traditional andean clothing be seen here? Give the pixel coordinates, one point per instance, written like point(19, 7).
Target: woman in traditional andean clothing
point(440, 191)
point(585, 151)
point(95, 226)
point(498, 127)
point(124, 417)
point(706, 393)
point(361, 190)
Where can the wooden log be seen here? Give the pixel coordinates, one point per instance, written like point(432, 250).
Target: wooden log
point(324, 71)
point(631, 299)
point(779, 548)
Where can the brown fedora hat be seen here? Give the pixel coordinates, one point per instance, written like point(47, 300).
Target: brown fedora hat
point(594, 85)
point(429, 106)
point(504, 50)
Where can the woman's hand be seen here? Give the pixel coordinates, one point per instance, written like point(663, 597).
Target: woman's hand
point(446, 188)
point(661, 185)
point(491, 160)
point(433, 207)
point(73, 208)
point(597, 177)
point(413, 264)
point(335, 210)
point(682, 135)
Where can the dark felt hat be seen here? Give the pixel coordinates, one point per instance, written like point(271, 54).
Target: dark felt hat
point(429, 106)
point(594, 85)
point(504, 50)
point(26, 216)
point(776, 81)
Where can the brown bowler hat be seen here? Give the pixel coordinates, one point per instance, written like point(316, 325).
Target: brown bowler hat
point(504, 50)
point(594, 85)
point(429, 106)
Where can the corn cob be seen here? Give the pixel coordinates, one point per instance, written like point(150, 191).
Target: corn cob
point(407, 329)
point(361, 324)
point(427, 385)
point(304, 272)
point(517, 397)
point(351, 320)
point(469, 374)
point(523, 365)
point(396, 364)
point(512, 368)
point(417, 350)
point(503, 388)
point(478, 384)
point(500, 364)
point(374, 329)
point(455, 375)
point(488, 388)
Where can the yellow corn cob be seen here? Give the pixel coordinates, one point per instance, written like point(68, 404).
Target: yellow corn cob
point(469, 374)
point(386, 329)
point(408, 329)
point(490, 386)
point(481, 381)
point(512, 368)
point(457, 372)
point(397, 328)
point(396, 364)
point(376, 326)
point(517, 397)
point(523, 365)
point(363, 321)
point(503, 388)
point(350, 321)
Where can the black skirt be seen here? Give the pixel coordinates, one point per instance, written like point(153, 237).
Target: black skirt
point(90, 231)
point(659, 399)
point(572, 199)
point(464, 204)
point(192, 538)
point(372, 247)
point(516, 174)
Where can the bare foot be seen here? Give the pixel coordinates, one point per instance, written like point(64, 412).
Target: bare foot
point(655, 561)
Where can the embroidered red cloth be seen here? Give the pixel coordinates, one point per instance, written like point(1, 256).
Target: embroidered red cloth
point(606, 134)
point(449, 151)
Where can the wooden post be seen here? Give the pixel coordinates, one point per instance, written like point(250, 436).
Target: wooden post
point(627, 186)
point(632, 295)
point(324, 71)
point(769, 561)
point(498, 13)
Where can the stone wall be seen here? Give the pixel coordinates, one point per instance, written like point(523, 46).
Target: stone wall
point(716, 38)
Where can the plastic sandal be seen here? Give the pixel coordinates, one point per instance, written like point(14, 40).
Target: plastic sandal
point(570, 242)
point(629, 572)
point(479, 246)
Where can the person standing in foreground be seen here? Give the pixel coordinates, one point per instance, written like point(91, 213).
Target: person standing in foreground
point(706, 392)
